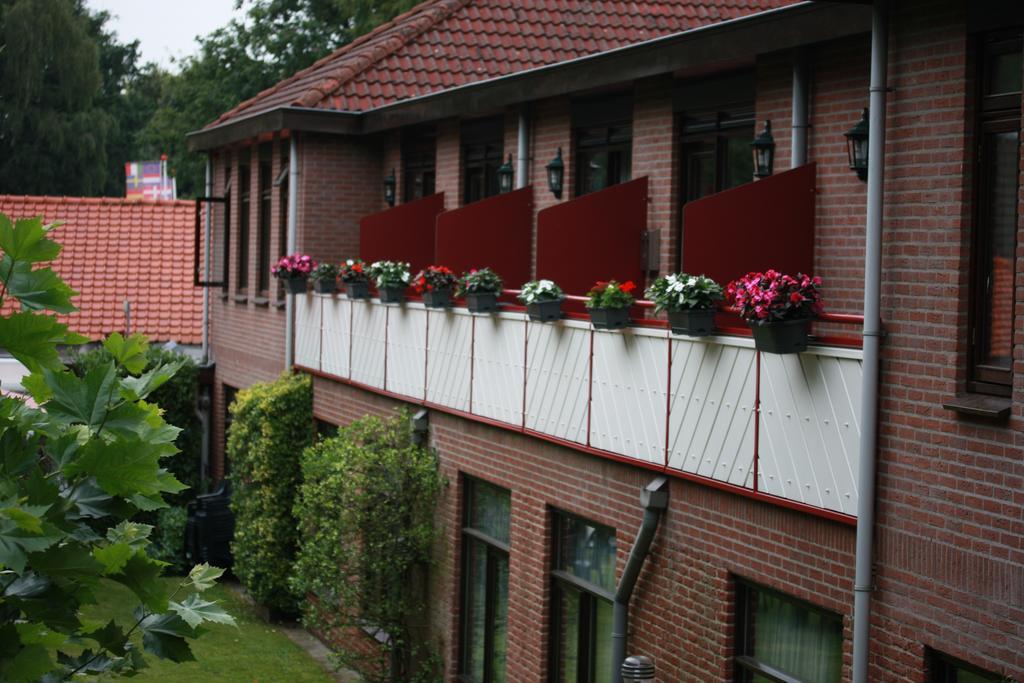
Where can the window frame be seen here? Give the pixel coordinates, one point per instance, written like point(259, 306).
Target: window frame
point(244, 211)
point(482, 148)
point(998, 113)
point(589, 594)
point(419, 161)
point(943, 668)
point(264, 217)
point(496, 550)
point(616, 144)
point(226, 256)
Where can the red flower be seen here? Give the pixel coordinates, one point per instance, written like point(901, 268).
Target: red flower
point(628, 286)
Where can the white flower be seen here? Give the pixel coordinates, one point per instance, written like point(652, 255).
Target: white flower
point(692, 281)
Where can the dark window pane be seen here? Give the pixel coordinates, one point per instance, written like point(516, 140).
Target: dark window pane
point(1005, 73)
point(244, 191)
point(602, 641)
point(739, 162)
point(700, 174)
point(587, 551)
point(475, 614)
point(419, 154)
point(500, 637)
point(263, 225)
point(489, 510)
point(1001, 153)
point(568, 634)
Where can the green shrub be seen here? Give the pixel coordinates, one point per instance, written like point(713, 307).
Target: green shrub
point(365, 512)
point(271, 424)
point(168, 538)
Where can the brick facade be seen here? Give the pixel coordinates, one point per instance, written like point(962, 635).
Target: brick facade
point(950, 532)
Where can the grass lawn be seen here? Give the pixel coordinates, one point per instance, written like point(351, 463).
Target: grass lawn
point(255, 651)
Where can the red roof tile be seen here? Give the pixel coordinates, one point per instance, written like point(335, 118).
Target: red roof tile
point(115, 249)
point(442, 44)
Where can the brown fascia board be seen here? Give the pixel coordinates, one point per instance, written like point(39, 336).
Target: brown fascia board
point(725, 43)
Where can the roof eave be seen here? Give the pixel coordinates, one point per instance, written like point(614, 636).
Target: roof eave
point(281, 118)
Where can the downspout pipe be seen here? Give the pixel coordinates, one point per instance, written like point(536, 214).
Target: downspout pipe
point(654, 498)
point(207, 252)
point(523, 148)
point(801, 97)
point(292, 245)
point(863, 580)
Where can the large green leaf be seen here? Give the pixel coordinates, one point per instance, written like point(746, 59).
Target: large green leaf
point(124, 467)
point(32, 339)
point(164, 636)
point(38, 289)
point(111, 638)
point(134, 534)
point(70, 560)
point(194, 610)
point(16, 542)
point(130, 352)
point(82, 400)
point(203, 576)
point(135, 388)
point(113, 557)
point(30, 664)
point(26, 240)
point(141, 575)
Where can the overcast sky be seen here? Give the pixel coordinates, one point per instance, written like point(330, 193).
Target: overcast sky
point(165, 29)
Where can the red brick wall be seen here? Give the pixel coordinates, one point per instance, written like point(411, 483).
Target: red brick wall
point(656, 155)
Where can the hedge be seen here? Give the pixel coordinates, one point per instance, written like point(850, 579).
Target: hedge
point(366, 516)
point(271, 425)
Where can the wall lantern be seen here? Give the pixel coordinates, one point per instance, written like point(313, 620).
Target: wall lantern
point(389, 188)
point(763, 147)
point(556, 173)
point(857, 146)
point(637, 669)
point(505, 176)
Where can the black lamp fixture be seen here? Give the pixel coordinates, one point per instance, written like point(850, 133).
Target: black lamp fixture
point(505, 176)
point(637, 669)
point(857, 145)
point(389, 188)
point(763, 148)
point(556, 173)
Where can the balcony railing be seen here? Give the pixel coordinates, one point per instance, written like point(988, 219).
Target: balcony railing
point(782, 428)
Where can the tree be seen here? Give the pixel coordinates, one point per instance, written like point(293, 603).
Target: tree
point(72, 473)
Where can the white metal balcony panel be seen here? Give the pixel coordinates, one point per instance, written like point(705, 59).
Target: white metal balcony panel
point(557, 375)
point(337, 313)
point(711, 423)
point(448, 364)
point(628, 400)
point(810, 427)
point(369, 327)
point(499, 341)
point(307, 330)
point(407, 351)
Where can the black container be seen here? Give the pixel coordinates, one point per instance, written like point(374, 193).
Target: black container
point(325, 286)
point(698, 322)
point(357, 290)
point(295, 285)
point(786, 336)
point(545, 311)
point(609, 318)
point(438, 298)
point(391, 295)
point(484, 302)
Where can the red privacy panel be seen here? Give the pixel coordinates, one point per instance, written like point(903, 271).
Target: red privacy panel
point(404, 233)
point(596, 237)
point(494, 232)
point(767, 224)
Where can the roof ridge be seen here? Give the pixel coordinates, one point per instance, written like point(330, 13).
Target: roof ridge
point(64, 199)
point(339, 52)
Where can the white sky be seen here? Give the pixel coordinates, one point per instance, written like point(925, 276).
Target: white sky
point(165, 29)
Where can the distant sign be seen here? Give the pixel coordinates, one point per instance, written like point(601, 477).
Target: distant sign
point(149, 180)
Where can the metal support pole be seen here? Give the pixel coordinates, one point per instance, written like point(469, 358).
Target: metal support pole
point(523, 148)
point(801, 96)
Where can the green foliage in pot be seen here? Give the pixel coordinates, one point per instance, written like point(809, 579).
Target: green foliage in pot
point(479, 281)
point(271, 425)
point(682, 292)
point(611, 294)
point(366, 516)
point(74, 472)
point(324, 272)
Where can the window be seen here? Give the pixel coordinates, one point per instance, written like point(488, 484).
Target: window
point(482, 147)
point(945, 669)
point(485, 545)
point(583, 591)
point(325, 429)
point(603, 134)
point(419, 155)
point(227, 220)
point(779, 638)
point(263, 219)
point(282, 227)
point(242, 282)
point(995, 238)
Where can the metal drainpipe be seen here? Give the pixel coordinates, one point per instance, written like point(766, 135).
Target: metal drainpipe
point(206, 262)
point(862, 582)
point(522, 150)
point(801, 96)
point(293, 219)
point(654, 498)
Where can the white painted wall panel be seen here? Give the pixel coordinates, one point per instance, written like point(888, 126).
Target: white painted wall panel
point(307, 330)
point(498, 367)
point(712, 420)
point(448, 358)
point(558, 357)
point(337, 313)
point(810, 428)
point(369, 320)
point(407, 351)
point(628, 404)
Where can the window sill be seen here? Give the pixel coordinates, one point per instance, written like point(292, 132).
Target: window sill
point(241, 298)
point(980, 405)
point(280, 303)
point(261, 301)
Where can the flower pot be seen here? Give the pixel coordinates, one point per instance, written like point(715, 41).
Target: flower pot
point(483, 302)
point(438, 298)
point(391, 295)
point(609, 318)
point(545, 311)
point(697, 322)
point(357, 290)
point(295, 285)
point(325, 286)
point(785, 336)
